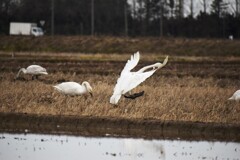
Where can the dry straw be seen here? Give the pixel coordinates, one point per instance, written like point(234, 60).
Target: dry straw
point(165, 98)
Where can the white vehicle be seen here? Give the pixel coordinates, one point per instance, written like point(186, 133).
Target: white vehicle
point(19, 28)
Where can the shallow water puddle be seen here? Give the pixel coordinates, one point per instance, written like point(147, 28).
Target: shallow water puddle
point(39, 147)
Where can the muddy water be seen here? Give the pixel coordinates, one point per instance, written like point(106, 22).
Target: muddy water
point(33, 146)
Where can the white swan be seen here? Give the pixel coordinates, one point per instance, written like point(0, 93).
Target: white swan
point(73, 88)
point(34, 70)
point(129, 80)
point(235, 96)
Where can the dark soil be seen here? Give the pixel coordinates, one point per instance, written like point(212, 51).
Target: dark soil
point(202, 69)
point(115, 127)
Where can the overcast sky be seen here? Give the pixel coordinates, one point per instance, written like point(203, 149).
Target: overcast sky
point(198, 6)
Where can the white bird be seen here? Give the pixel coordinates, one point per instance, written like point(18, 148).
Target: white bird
point(74, 88)
point(129, 80)
point(34, 70)
point(235, 96)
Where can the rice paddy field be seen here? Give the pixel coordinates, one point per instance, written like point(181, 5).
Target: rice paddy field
point(188, 88)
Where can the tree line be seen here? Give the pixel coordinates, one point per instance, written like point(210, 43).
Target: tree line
point(161, 18)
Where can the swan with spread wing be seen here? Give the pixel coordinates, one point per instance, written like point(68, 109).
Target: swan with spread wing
point(129, 80)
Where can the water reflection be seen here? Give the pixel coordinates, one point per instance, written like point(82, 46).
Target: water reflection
point(31, 146)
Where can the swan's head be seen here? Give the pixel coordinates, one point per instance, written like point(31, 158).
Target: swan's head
point(88, 87)
point(165, 61)
point(160, 65)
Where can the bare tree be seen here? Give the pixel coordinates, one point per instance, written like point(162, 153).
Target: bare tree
point(180, 8)
point(219, 7)
point(204, 4)
point(234, 7)
point(171, 5)
point(134, 9)
point(237, 7)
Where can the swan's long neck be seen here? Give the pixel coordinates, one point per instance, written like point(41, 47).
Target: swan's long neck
point(153, 66)
point(21, 70)
point(87, 86)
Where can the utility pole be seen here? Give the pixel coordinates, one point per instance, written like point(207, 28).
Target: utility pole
point(52, 18)
point(237, 7)
point(92, 17)
point(191, 8)
point(204, 6)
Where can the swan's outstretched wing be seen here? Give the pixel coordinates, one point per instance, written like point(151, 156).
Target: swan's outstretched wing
point(138, 79)
point(125, 72)
point(131, 63)
point(127, 82)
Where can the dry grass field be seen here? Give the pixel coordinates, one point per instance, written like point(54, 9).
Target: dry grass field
point(186, 89)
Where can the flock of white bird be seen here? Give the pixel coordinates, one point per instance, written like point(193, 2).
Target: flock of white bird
point(126, 82)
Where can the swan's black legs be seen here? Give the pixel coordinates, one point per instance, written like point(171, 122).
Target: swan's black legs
point(135, 95)
point(36, 77)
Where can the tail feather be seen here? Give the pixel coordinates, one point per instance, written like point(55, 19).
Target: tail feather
point(57, 88)
point(44, 73)
point(231, 98)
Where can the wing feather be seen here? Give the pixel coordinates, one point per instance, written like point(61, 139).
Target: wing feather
point(131, 63)
point(137, 79)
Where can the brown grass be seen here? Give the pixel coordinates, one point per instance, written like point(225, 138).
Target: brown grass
point(166, 98)
point(108, 44)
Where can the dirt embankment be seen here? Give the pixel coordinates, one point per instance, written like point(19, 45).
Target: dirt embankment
point(117, 127)
point(105, 44)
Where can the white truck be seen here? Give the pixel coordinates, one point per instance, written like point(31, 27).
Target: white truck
point(19, 28)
